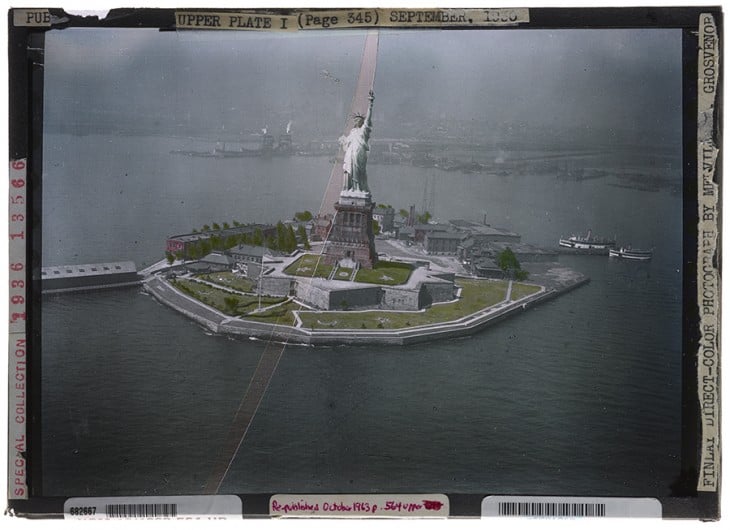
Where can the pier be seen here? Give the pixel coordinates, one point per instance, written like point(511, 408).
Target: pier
point(92, 276)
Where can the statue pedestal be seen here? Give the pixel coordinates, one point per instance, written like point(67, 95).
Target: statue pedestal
point(351, 237)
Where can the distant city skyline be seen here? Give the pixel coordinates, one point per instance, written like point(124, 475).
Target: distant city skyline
point(616, 86)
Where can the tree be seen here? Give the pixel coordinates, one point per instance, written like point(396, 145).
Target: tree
point(258, 237)
point(194, 250)
point(231, 302)
point(280, 236)
point(170, 257)
point(216, 226)
point(291, 239)
point(423, 218)
point(304, 216)
point(236, 224)
point(403, 213)
point(376, 227)
point(302, 235)
point(226, 226)
point(206, 228)
point(508, 262)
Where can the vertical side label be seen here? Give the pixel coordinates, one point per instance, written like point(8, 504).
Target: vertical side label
point(17, 234)
point(17, 373)
point(708, 277)
point(17, 415)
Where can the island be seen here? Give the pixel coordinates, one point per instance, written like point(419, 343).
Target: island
point(327, 279)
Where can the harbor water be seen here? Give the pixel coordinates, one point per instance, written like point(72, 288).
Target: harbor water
point(580, 395)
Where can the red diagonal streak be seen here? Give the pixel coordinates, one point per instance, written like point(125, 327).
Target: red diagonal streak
point(365, 83)
point(270, 357)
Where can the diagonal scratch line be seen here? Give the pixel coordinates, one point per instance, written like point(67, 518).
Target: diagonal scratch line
point(244, 415)
point(269, 360)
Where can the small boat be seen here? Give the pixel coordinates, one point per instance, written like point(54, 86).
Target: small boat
point(588, 244)
point(631, 253)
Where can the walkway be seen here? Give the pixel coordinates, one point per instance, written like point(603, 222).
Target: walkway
point(240, 326)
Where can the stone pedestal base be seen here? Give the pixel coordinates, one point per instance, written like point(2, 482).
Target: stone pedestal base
point(351, 237)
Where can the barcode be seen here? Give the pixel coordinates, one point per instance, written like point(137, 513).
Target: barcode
point(552, 509)
point(141, 510)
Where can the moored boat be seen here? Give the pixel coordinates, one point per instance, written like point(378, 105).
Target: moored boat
point(588, 244)
point(631, 253)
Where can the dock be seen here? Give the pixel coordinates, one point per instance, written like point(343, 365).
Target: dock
point(88, 277)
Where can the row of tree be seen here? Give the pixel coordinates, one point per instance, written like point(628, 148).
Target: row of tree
point(421, 218)
point(285, 240)
point(214, 227)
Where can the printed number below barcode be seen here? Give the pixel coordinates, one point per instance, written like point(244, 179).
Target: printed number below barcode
point(141, 510)
point(552, 509)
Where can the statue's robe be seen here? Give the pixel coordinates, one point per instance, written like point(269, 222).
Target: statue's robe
point(356, 158)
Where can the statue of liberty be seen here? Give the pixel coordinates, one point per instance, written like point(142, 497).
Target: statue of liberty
point(356, 151)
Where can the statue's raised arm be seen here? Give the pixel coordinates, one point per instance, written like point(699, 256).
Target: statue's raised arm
point(369, 113)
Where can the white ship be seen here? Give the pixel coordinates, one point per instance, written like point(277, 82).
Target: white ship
point(631, 253)
point(588, 244)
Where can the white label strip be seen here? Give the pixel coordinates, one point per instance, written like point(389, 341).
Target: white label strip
point(569, 507)
point(158, 507)
point(17, 358)
point(708, 275)
point(366, 505)
point(349, 18)
point(37, 18)
point(17, 417)
point(17, 235)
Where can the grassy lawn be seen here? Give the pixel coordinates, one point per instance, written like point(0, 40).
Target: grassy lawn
point(309, 265)
point(228, 279)
point(520, 290)
point(385, 273)
point(216, 298)
point(281, 314)
point(343, 273)
point(475, 295)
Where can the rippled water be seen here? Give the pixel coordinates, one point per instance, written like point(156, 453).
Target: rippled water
point(578, 395)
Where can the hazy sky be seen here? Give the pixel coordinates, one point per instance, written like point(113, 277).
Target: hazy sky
point(622, 80)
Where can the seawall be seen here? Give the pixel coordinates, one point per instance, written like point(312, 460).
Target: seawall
point(221, 323)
